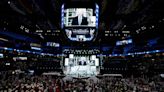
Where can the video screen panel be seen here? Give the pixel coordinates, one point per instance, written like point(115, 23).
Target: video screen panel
point(19, 58)
point(1, 55)
point(80, 23)
point(81, 66)
point(75, 17)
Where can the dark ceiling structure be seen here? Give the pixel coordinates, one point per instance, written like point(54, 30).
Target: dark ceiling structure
point(27, 17)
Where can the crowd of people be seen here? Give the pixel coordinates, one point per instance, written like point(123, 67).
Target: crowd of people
point(45, 83)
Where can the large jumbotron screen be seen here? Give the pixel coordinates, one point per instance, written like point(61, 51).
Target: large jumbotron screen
point(77, 17)
point(81, 66)
point(80, 23)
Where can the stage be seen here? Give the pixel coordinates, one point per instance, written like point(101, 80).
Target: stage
point(81, 71)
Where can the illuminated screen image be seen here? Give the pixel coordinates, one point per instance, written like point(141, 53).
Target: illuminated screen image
point(79, 17)
point(19, 58)
point(80, 24)
point(81, 66)
point(1, 55)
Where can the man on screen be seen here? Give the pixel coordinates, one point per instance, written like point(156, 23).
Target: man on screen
point(80, 18)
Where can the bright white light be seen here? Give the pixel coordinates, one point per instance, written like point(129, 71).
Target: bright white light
point(7, 64)
point(3, 39)
point(143, 28)
point(96, 62)
point(152, 26)
point(71, 56)
point(147, 52)
point(27, 30)
point(66, 61)
point(35, 48)
point(42, 53)
point(8, 2)
point(93, 57)
point(1, 55)
point(157, 51)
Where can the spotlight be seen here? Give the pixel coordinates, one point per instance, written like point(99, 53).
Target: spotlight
point(8, 2)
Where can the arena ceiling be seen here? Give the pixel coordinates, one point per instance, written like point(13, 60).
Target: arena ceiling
point(26, 16)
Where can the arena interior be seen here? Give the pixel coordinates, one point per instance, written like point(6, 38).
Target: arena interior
point(81, 46)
